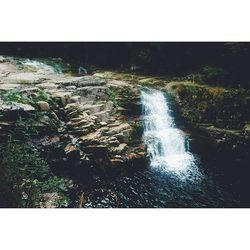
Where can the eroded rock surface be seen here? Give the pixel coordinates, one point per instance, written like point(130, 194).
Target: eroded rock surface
point(93, 114)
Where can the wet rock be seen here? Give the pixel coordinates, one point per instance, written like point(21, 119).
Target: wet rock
point(44, 106)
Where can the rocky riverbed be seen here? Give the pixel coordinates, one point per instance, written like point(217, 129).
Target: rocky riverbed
point(88, 129)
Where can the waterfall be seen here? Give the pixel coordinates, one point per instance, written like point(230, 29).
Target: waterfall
point(40, 65)
point(167, 146)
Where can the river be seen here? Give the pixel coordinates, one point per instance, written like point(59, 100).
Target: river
point(177, 176)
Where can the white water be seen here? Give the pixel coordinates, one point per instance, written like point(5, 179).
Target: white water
point(167, 146)
point(39, 65)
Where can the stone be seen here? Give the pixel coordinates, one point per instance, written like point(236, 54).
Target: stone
point(44, 106)
point(25, 78)
point(75, 99)
point(70, 148)
point(9, 86)
point(246, 129)
point(103, 115)
point(120, 148)
point(116, 161)
point(47, 85)
point(103, 123)
point(81, 81)
point(89, 137)
point(82, 71)
point(49, 141)
point(2, 59)
point(119, 129)
point(93, 108)
point(16, 106)
point(64, 96)
point(114, 143)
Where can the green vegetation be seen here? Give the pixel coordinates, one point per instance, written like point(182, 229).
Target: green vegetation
point(25, 177)
point(223, 107)
point(113, 96)
point(214, 75)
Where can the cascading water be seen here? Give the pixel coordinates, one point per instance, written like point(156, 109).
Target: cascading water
point(167, 145)
point(40, 65)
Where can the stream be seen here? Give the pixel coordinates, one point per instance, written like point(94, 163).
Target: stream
point(176, 177)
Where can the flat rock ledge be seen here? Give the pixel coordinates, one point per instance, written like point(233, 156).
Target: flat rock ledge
point(98, 119)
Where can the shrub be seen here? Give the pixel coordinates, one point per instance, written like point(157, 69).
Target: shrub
point(214, 75)
point(25, 176)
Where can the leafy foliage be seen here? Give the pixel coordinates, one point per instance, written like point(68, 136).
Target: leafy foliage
point(25, 176)
point(223, 107)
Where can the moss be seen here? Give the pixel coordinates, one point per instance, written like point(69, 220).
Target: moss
point(223, 107)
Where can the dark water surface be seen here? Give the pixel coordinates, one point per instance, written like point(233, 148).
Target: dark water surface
point(215, 182)
point(151, 188)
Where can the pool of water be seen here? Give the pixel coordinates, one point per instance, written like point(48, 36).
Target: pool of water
point(203, 180)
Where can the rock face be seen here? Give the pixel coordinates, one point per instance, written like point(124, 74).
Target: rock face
point(94, 123)
point(220, 114)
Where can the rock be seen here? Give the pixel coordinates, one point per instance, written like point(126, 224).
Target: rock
point(50, 200)
point(70, 148)
point(29, 90)
point(9, 86)
point(16, 106)
point(93, 108)
point(3, 59)
point(119, 129)
point(103, 123)
point(103, 115)
point(81, 81)
point(49, 141)
point(44, 106)
point(120, 148)
point(246, 129)
point(92, 93)
point(82, 71)
point(114, 143)
point(70, 87)
point(75, 99)
point(25, 78)
point(89, 137)
point(116, 161)
point(63, 96)
point(141, 154)
point(47, 85)
point(118, 83)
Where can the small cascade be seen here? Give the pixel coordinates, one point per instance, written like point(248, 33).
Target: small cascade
point(167, 146)
point(40, 65)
